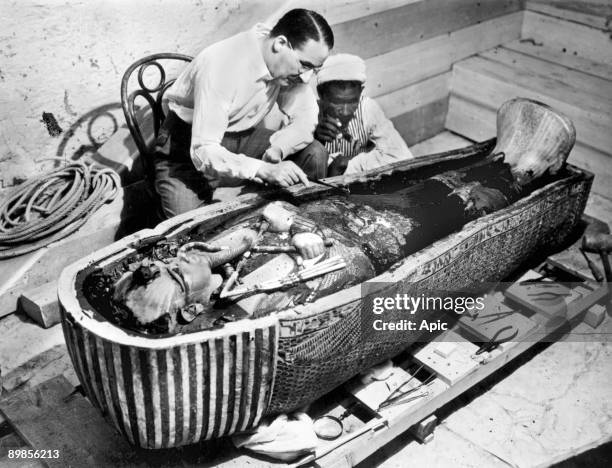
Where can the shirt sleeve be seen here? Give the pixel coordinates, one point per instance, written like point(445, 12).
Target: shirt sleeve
point(213, 95)
point(299, 104)
point(389, 146)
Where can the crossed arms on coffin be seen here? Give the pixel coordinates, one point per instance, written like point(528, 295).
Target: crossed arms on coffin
point(156, 288)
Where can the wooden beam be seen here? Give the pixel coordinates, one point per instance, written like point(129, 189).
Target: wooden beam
point(341, 12)
point(444, 141)
point(418, 111)
point(380, 433)
point(587, 13)
point(22, 340)
point(40, 304)
point(67, 417)
point(402, 67)
point(408, 65)
point(599, 207)
point(492, 83)
point(566, 59)
point(399, 27)
point(573, 38)
point(485, 35)
point(412, 97)
point(46, 365)
point(422, 123)
point(470, 119)
point(599, 88)
point(600, 164)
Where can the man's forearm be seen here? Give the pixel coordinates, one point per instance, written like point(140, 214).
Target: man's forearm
point(291, 139)
point(216, 162)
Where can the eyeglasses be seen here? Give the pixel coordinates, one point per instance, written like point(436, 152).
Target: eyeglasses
point(304, 65)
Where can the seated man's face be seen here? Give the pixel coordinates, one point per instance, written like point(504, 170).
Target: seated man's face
point(340, 99)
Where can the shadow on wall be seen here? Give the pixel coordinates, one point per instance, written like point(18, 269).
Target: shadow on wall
point(87, 135)
point(84, 138)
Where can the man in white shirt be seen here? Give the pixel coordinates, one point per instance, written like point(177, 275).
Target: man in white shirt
point(219, 101)
point(353, 127)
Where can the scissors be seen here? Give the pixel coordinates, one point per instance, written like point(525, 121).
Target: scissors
point(496, 316)
point(496, 340)
point(397, 395)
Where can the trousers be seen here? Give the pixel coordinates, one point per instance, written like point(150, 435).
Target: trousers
point(181, 187)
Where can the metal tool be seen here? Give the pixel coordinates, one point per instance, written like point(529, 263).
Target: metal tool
point(344, 190)
point(556, 290)
point(597, 274)
point(496, 316)
point(318, 269)
point(283, 248)
point(399, 395)
point(495, 341)
point(601, 244)
point(548, 295)
point(330, 427)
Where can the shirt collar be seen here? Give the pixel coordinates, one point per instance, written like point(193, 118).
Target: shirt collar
point(257, 35)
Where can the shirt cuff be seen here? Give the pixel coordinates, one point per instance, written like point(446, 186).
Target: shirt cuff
point(285, 149)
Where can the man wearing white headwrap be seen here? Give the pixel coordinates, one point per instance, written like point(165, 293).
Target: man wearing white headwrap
point(352, 126)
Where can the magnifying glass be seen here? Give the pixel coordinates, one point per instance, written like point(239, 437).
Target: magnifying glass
point(328, 427)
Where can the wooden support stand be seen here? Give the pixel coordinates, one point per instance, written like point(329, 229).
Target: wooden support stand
point(424, 431)
point(40, 304)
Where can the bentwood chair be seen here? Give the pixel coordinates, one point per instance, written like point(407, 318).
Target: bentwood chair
point(137, 119)
point(144, 122)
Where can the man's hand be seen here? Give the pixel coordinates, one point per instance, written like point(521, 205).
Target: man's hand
point(328, 129)
point(285, 174)
point(272, 155)
point(338, 167)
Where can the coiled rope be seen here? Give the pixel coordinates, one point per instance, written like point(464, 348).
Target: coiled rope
point(50, 207)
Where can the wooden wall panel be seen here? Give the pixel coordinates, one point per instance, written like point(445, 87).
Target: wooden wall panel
point(588, 12)
point(559, 57)
point(399, 27)
point(423, 122)
point(414, 96)
point(404, 66)
point(491, 83)
point(586, 41)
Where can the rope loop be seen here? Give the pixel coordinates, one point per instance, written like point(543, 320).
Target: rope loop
point(52, 206)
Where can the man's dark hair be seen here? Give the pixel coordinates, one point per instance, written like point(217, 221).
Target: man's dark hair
point(300, 25)
point(326, 89)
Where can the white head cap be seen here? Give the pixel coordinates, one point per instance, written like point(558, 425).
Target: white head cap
point(342, 67)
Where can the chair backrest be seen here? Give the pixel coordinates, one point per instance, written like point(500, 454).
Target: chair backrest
point(153, 95)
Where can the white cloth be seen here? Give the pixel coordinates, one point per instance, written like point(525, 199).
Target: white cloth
point(228, 88)
point(342, 67)
point(369, 126)
point(282, 438)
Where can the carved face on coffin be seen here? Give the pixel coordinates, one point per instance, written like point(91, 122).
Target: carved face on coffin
point(533, 138)
point(156, 291)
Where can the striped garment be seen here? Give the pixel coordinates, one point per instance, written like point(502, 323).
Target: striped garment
point(360, 136)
